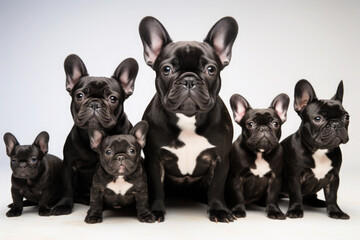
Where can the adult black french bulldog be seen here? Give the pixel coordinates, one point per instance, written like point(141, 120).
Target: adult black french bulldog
point(121, 179)
point(312, 157)
point(256, 157)
point(190, 130)
point(97, 105)
point(36, 175)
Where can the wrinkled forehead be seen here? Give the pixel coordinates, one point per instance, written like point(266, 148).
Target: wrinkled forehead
point(97, 84)
point(25, 151)
point(188, 53)
point(326, 108)
point(119, 142)
point(259, 114)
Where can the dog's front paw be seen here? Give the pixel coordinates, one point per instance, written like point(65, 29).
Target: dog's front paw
point(148, 217)
point(159, 216)
point(221, 216)
point(295, 212)
point(44, 211)
point(239, 211)
point(339, 215)
point(274, 214)
point(61, 210)
point(93, 218)
point(14, 212)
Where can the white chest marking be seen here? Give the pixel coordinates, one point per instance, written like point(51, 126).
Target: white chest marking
point(322, 163)
point(120, 186)
point(262, 166)
point(194, 144)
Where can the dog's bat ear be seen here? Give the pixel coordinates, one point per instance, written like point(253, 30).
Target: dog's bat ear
point(126, 74)
point(74, 70)
point(304, 94)
point(154, 37)
point(239, 106)
point(139, 131)
point(281, 104)
point(42, 141)
point(10, 142)
point(96, 138)
point(339, 92)
point(221, 37)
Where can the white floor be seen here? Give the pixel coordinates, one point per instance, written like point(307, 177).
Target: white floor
point(184, 220)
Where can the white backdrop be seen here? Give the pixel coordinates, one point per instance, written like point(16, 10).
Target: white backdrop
point(279, 42)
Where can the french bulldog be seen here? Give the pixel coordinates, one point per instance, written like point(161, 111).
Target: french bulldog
point(312, 156)
point(36, 175)
point(121, 179)
point(190, 129)
point(97, 105)
point(256, 157)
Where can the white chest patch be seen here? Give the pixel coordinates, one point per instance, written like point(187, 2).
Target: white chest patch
point(262, 166)
point(322, 163)
point(194, 144)
point(120, 186)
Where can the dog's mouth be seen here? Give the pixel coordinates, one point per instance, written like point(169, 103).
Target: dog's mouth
point(330, 137)
point(94, 118)
point(263, 143)
point(188, 99)
point(25, 173)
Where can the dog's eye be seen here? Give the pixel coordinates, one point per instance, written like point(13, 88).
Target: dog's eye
point(13, 161)
point(211, 70)
point(347, 117)
point(113, 99)
point(275, 124)
point(318, 119)
point(166, 70)
point(79, 96)
point(33, 160)
point(132, 151)
point(250, 124)
point(108, 152)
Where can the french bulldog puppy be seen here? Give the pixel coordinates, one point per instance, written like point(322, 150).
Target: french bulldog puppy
point(36, 175)
point(312, 157)
point(256, 157)
point(121, 179)
point(97, 105)
point(190, 129)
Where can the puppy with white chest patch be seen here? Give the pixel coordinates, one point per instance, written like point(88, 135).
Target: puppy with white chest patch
point(121, 179)
point(312, 155)
point(190, 133)
point(256, 157)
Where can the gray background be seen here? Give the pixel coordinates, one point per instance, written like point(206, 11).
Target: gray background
point(279, 42)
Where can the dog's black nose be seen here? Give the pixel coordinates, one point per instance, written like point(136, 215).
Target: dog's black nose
point(120, 158)
point(94, 105)
point(189, 82)
point(263, 128)
point(335, 125)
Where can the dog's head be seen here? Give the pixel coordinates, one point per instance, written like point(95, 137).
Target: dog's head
point(324, 122)
point(261, 128)
point(120, 154)
point(188, 73)
point(97, 102)
point(26, 161)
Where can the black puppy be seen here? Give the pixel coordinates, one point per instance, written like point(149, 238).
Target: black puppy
point(312, 155)
point(190, 130)
point(97, 105)
point(121, 179)
point(36, 175)
point(256, 157)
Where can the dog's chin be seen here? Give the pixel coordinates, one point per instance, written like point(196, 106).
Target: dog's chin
point(188, 107)
point(263, 145)
point(332, 143)
point(94, 123)
point(25, 175)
